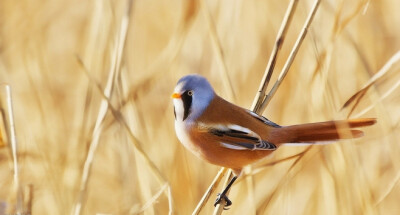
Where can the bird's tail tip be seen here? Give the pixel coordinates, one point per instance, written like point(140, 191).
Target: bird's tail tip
point(361, 122)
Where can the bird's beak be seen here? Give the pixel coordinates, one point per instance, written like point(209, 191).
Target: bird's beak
point(176, 96)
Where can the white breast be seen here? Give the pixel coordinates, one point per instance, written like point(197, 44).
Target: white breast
point(181, 129)
point(183, 126)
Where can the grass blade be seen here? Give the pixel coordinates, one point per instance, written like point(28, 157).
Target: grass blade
point(356, 97)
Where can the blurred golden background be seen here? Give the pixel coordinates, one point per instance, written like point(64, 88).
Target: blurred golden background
point(56, 55)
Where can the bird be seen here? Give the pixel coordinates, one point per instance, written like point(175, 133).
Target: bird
point(230, 136)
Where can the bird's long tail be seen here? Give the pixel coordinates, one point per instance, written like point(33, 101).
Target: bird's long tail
point(322, 131)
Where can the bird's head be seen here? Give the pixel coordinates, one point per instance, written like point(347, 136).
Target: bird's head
point(192, 95)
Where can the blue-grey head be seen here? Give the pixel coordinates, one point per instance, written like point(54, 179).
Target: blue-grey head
point(192, 95)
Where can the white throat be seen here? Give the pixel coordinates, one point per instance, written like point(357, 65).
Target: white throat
point(182, 127)
point(179, 110)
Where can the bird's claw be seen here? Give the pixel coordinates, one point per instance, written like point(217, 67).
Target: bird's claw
point(227, 201)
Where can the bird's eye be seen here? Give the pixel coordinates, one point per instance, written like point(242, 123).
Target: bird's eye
point(190, 93)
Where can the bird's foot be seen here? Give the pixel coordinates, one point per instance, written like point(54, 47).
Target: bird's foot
point(227, 201)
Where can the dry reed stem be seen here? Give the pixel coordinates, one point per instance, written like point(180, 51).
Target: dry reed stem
point(285, 178)
point(367, 68)
point(382, 97)
point(291, 57)
point(259, 108)
point(160, 178)
point(152, 200)
point(338, 27)
point(326, 56)
point(6, 108)
point(360, 53)
point(280, 38)
point(264, 83)
point(377, 77)
point(115, 65)
point(268, 72)
point(263, 167)
point(362, 6)
point(92, 150)
point(210, 190)
point(137, 144)
point(389, 189)
point(216, 44)
point(46, 93)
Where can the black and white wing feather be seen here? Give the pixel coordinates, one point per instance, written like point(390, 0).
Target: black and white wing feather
point(238, 138)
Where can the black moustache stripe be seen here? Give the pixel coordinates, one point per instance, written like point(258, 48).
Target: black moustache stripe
point(187, 104)
point(174, 113)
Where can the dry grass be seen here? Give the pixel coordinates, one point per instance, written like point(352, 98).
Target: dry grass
point(140, 167)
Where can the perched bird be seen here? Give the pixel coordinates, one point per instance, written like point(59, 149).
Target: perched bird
point(230, 136)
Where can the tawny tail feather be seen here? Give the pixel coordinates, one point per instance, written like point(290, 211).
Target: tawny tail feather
point(322, 131)
point(334, 135)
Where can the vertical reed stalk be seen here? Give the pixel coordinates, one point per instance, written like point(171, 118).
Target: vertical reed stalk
point(9, 136)
point(115, 66)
